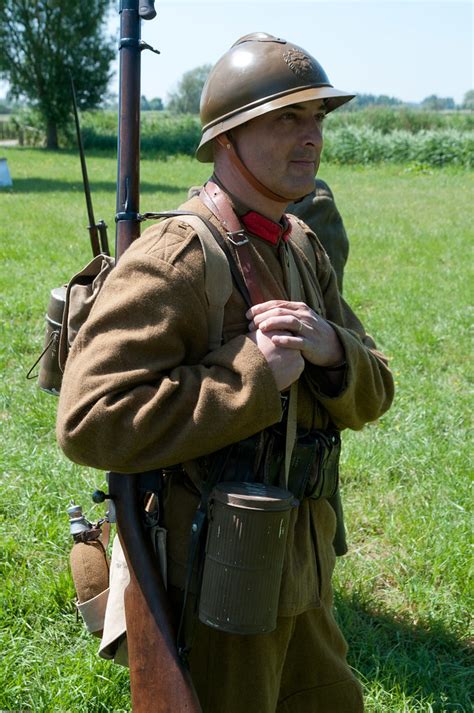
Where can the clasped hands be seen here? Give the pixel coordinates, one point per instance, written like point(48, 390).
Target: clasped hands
point(288, 333)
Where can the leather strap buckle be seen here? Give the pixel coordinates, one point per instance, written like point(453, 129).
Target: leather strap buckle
point(237, 237)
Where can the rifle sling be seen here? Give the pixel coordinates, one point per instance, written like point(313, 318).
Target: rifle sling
point(217, 201)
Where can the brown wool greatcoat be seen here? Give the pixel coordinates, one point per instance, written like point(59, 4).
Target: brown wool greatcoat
point(141, 391)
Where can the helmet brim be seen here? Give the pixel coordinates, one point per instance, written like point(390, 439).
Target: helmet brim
point(334, 98)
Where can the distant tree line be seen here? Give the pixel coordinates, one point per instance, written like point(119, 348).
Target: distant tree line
point(362, 101)
point(431, 103)
point(185, 99)
point(42, 42)
point(155, 104)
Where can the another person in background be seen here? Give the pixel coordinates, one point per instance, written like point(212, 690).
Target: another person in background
point(320, 213)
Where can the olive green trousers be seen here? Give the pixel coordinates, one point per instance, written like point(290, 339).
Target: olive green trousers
point(298, 668)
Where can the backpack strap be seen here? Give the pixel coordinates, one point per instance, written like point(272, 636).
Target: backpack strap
point(217, 277)
point(303, 245)
point(299, 236)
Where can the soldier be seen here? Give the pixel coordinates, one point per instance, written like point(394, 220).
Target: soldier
point(142, 390)
point(319, 211)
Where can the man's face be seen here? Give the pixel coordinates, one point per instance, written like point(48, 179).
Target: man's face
point(282, 148)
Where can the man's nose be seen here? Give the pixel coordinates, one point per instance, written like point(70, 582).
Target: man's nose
point(313, 133)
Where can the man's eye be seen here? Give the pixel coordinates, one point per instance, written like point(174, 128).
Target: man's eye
point(287, 116)
point(320, 116)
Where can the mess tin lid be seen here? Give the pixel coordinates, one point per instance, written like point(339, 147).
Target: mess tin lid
point(56, 304)
point(254, 496)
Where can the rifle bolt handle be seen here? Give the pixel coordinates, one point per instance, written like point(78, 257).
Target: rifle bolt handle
point(98, 496)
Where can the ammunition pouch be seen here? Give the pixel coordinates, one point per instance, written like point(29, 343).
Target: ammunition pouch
point(314, 468)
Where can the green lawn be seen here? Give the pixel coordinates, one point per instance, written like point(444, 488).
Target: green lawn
point(404, 592)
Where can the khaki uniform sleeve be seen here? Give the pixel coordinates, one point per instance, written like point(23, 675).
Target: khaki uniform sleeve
point(140, 390)
point(367, 390)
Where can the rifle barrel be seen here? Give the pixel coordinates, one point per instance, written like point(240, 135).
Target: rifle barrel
point(128, 178)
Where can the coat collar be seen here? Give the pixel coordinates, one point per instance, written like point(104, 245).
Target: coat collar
point(264, 228)
point(257, 224)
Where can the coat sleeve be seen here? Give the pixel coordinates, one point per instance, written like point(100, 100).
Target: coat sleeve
point(367, 390)
point(140, 389)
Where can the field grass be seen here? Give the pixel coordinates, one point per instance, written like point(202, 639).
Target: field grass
point(404, 592)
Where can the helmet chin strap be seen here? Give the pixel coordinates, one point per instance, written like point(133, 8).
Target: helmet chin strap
point(224, 141)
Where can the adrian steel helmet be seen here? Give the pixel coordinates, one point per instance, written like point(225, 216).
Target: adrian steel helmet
point(258, 74)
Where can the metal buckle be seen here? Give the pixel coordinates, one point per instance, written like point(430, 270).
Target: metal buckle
point(238, 234)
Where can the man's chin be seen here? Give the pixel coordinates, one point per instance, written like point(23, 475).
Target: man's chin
point(298, 192)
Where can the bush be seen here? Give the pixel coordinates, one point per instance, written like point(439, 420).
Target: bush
point(372, 135)
point(352, 145)
point(8, 130)
point(161, 133)
point(177, 135)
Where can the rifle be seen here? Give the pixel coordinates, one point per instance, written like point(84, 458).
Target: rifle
point(97, 231)
point(159, 680)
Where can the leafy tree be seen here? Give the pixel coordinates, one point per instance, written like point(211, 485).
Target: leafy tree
point(468, 101)
point(188, 94)
point(435, 103)
point(41, 41)
point(155, 104)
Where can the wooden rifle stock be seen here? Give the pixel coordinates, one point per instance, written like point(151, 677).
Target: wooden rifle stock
point(159, 682)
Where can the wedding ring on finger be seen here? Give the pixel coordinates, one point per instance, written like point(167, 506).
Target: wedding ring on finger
point(300, 327)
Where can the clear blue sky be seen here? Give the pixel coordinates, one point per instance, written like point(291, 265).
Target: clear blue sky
point(408, 48)
point(404, 48)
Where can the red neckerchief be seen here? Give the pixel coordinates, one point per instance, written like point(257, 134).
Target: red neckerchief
point(264, 228)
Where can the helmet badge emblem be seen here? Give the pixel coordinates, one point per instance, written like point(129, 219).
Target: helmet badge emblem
point(299, 63)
